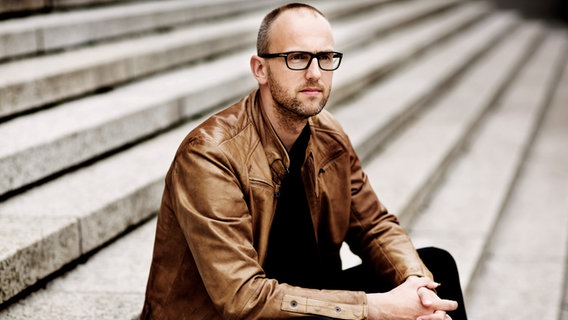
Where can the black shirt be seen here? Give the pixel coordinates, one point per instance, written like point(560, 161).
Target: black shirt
point(293, 256)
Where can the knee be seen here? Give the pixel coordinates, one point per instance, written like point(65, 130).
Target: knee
point(436, 255)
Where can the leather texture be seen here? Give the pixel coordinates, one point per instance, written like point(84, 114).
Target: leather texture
point(217, 209)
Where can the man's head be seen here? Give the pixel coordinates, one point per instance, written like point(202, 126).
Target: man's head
point(262, 41)
point(294, 90)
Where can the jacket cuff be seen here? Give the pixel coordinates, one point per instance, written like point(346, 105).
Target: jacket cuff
point(324, 308)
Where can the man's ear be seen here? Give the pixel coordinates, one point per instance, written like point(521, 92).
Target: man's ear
point(258, 68)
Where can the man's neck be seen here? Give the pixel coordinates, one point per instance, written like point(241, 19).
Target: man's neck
point(288, 133)
point(287, 127)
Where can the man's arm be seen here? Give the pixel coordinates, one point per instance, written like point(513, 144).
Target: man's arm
point(376, 235)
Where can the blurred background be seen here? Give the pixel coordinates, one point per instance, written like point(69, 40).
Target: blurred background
point(458, 110)
point(556, 9)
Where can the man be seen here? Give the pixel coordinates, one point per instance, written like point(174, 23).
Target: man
point(260, 197)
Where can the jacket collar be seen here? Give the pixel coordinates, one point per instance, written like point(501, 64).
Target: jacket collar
point(274, 149)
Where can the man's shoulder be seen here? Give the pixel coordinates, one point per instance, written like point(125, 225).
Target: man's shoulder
point(329, 133)
point(224, 124)
point(325, 122)
point(221, 128)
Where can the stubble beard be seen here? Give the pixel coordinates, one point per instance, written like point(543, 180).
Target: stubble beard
point(290, 108)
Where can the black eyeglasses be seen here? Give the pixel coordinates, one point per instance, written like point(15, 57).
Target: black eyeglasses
point(301, 60)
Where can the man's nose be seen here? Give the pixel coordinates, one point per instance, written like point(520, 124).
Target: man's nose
point(314, 71)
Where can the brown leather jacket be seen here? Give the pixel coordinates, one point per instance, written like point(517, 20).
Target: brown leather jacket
point(217, 210)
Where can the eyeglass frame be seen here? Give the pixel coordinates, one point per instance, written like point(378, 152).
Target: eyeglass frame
point(312, 56)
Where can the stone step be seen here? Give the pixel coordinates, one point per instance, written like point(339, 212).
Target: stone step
point(404, 45)
point(406, 169)
point(531, 236)
point(32, 83)
point(43, 33)
point(50, 226)
point(48, 32)
point(19, 8)
point(386, 19)
point(109, 286)
point(432, 141)
point(67, 4)
point(463, 213)
point(387, 106)
point(22, 7)
point(79, 130)
point(90, 211)
point(54, 140)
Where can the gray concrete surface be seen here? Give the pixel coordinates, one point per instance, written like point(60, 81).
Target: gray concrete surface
point(471, 200)
point(527, 256)
point(110, 285)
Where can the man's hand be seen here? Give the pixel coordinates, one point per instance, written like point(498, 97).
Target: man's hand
point(412, 300)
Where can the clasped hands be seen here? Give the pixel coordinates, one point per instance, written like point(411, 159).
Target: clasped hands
point(412, 300)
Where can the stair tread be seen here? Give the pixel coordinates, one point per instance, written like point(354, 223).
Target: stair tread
point(461, 215)
point(61, 137)
point(30, 83)
point(384, 19)
point(110, 285)
point(410, 164)
point(40, 33)
point(532, 235)
point(392, 51)
point(22, 268)
point(33, 82)
point(100, 201)
point(94, 125)
point(424, 150)
point(400, 94)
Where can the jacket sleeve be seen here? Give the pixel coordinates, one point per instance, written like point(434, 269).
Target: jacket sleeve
point(206, 193)
point(376, 235)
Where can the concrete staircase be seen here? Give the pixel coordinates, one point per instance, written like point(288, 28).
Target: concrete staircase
point(459, 112)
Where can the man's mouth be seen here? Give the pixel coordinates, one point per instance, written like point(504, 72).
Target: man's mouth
point(311, 91)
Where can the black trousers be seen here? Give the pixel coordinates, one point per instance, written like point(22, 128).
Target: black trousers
point(439, 262)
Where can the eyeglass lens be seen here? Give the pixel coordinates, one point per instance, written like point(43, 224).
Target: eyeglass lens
point(301, 60)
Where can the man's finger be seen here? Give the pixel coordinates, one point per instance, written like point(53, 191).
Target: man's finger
point(424, 282)
point(426, 296)
point(438, 315)
point(429, 299)
point(446, 305)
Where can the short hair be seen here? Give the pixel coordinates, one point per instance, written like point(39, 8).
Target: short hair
point(263, 41)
